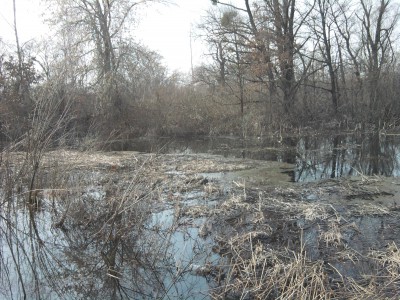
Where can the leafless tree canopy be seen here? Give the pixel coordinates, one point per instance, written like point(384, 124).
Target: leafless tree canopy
point(312, 59)
point(268, 64)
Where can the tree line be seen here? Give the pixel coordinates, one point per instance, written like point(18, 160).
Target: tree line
point(306, 60)
point(270, 64)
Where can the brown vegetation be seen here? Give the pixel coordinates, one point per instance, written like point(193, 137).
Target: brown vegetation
point(83, 224)
point(273, 66)
point(94, 214)
point(282, 246)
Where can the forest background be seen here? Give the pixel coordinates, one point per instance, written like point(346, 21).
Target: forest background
point(270, 65)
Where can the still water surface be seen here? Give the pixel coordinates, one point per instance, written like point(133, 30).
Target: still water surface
point(313, 157)
point(70, 263)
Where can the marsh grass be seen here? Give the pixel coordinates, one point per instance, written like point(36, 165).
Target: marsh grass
point(256, 272)
point(302, 250)
point(99, 238)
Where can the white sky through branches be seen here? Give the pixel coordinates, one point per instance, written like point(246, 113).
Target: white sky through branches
point(163, 28)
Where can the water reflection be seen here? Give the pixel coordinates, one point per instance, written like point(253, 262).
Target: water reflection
point(314, 157)
point(97, 236)
point(346, 155)
point(92, 236)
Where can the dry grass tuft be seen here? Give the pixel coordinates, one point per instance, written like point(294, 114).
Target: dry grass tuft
point(256, 272)
point(296, 249)
point(333, 236)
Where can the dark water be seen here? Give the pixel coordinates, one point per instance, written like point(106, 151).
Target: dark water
point(314, 157)
point(159, 255)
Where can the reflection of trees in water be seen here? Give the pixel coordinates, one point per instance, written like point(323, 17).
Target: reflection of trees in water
point(309, 150)
point(340, 155)
point(92, 244)
point(382, 156)
point(376, 155)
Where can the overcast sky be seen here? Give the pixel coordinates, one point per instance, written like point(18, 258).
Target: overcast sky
point(165, 29)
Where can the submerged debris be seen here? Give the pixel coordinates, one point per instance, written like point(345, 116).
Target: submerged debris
point(225, 220)
point(328, 248)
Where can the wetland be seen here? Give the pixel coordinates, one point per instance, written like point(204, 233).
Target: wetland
point(226, 219)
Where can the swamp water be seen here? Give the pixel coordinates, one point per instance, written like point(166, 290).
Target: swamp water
point(124, 225)
point(313, 157)
point(115, 225)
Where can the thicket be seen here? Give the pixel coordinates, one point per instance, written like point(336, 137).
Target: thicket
point(271, 65)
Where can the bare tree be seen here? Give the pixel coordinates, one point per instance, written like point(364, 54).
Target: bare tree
point(213, 34)
point(378, 24)
point(275, 27)
point(100, 28)
point(260, 44)
point(322, 27)
point(228, 38)
point(284, 31)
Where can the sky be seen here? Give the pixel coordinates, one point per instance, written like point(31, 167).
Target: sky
point(167, 30)
point(29, 20)
point(163, 28)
